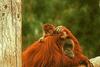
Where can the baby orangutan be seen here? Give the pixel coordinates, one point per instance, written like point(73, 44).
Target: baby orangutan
point(48, 29)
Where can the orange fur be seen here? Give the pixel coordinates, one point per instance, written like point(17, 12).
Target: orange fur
point(79, 57)
point(45, 54)
point(49, 52)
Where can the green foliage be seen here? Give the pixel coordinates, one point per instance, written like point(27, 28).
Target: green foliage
point(82, 17)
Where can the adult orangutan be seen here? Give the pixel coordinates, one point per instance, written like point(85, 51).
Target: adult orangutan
point(79, 59)
point(48, 52)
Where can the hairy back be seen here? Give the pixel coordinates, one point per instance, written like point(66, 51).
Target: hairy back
point(47, 53)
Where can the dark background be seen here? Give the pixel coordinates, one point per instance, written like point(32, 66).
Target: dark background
point(82, 17)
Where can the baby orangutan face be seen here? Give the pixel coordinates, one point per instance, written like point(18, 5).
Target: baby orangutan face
point(48, 29)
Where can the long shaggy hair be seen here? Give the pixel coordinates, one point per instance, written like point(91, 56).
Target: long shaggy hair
point(48, 53)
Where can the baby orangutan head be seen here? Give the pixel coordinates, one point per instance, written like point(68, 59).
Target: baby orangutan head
point(48, 29)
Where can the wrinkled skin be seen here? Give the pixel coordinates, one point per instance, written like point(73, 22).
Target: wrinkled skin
point(79, 59)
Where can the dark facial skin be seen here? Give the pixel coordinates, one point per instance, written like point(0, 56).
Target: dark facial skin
point(68, 49)
point(83, 60)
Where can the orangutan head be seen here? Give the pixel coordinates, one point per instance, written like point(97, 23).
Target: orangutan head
point(79, 60)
